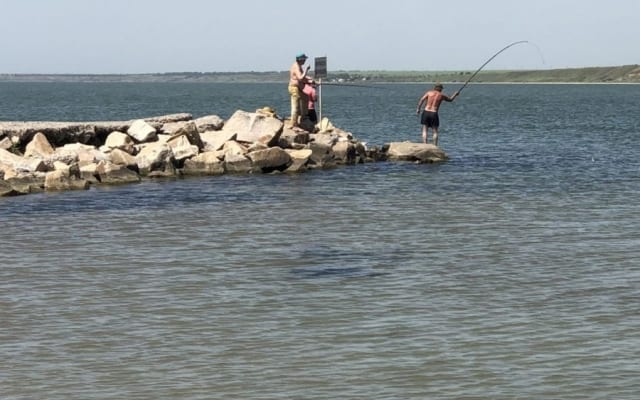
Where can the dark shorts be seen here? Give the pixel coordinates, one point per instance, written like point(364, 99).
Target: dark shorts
point(430, 119)
point(313, 117)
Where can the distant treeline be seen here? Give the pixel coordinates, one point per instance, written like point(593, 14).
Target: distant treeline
point(619, 74)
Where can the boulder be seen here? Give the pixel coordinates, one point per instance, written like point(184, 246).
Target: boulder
point(91, 156)
point(170, 128)
point(237, 163)
point(25, 183)
point(209, 123)
point(89, 173)
point(39, 147)
point(119, 140)
point(418, 152)
point(61, 154)
point(290, 139)
point(327, 138)
point(110, 173)
point(254, 127)
point(155, 157)
point(120, 157)
point(214, 140)
point(321, 156)
point(65, 179)
point(141, 131)
point(190, 132)
point(344, 152)
point(12, 161)
point(233, 148)
point(60, 166)
point(268, 160)
point(7, 190)
point(206, 163)
point(181, 148)
point(299, 160)
point(325, 125)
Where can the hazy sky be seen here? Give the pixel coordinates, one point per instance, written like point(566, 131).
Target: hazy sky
point(137, 36)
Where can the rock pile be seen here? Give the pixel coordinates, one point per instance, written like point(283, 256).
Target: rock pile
point(37, 156)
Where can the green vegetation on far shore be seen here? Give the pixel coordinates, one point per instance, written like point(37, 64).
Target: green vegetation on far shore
point(618, 74)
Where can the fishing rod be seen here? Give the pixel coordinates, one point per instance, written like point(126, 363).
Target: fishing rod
point(488, 61)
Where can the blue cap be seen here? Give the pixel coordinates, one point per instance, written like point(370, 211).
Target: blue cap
point(300, 56)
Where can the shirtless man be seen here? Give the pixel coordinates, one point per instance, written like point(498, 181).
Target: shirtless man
point(297, 79)
point(429, 118)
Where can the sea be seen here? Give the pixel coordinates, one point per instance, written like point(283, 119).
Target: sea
point(511, 271)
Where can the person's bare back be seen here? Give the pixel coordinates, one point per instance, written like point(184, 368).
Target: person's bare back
point(434, 98)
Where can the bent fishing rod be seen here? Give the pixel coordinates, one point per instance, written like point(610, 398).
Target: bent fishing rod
point(488, 61)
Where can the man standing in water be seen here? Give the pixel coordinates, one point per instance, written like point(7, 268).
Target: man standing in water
point(429, 118)
point(297, 80)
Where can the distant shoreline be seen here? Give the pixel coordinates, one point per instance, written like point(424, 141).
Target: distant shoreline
point(627, 74)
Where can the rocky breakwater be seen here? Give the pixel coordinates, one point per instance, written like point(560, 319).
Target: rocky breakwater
point(38, 156)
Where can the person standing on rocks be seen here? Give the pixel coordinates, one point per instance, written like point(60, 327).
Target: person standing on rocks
point(429, 118)
point(297, 80)
point(312, 96)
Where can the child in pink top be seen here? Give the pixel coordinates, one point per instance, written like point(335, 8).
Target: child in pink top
point(310, 91)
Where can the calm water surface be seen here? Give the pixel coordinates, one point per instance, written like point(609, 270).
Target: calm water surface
point(509, 272)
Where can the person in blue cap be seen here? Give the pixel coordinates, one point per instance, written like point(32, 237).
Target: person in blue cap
point(297, 80)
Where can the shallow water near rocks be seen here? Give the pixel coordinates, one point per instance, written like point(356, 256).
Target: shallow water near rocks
point(509, 271)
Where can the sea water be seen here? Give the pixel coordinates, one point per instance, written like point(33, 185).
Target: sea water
point(510, 271)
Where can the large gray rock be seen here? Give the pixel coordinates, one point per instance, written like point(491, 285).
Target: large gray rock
point(254, 127)
point(344, 152)
point(237, 163)
point(299, 160)
point(155, 157)
point(182, 148)
point(39, 147)
point(321, 156)
point(7, 190)
point(268, 160)
point(120, 157)
point(113, 174)
point(418, 152)
point(214, 140)
point(209, 123)
point(141, 131)
point(233, 148)
point(65, 179)
point(119, 140)
point(25, 183)
point(206, 163)
point(170, 128)
point(327, 138)
point(190, 132)
point(10, 161)
point(89, 173)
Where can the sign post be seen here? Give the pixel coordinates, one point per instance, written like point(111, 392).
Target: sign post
point(320, 71)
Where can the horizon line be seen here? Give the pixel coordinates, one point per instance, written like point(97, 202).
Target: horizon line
point(284, 71)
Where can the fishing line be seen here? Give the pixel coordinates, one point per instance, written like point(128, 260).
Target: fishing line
point(495, 55)
point(539, 52)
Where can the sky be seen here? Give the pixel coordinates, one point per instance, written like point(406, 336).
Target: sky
point(155, 36)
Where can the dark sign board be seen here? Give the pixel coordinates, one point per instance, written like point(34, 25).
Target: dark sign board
point(320, 69)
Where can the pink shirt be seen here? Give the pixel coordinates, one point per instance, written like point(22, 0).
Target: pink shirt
point(310, 91)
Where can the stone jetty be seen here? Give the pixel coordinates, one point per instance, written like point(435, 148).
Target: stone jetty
point(39, 156)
